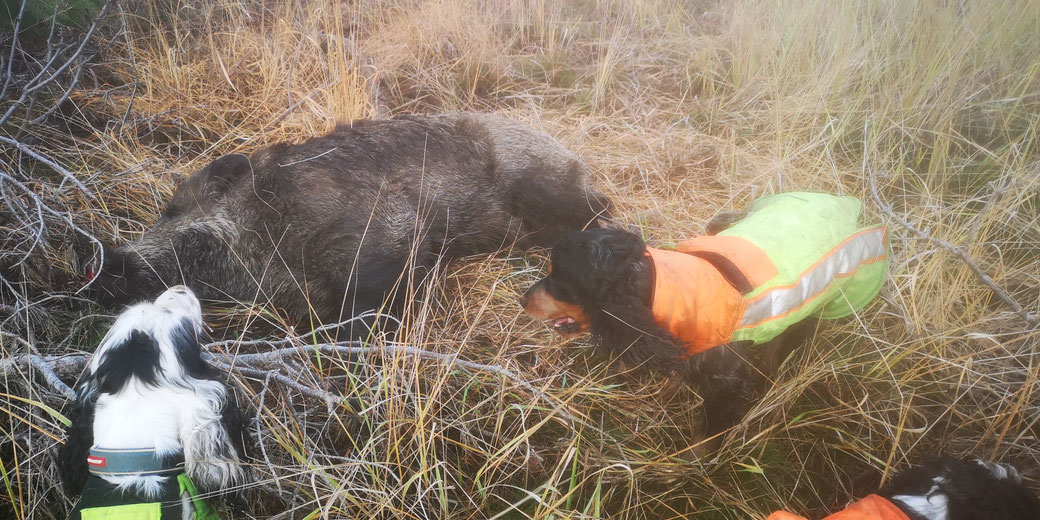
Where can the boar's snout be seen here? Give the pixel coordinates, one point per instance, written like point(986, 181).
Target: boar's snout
point(113, 283)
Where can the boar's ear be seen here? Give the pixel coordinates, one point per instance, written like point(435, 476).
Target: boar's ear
point(216, 178)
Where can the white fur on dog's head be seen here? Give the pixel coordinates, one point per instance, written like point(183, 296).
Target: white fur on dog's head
point(147, 386)
point(931, 504)
point(173, 320)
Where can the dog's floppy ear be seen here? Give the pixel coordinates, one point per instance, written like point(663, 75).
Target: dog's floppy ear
point(213, 438)
point(211, 457)
point(79, 437)
point(187, 345)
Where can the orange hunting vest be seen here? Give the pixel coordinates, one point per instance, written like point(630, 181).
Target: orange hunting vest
point(873, 507)
point(693, 299)
point(793, 256)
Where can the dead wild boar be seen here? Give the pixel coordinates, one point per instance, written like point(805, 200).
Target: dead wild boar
point(327, 228)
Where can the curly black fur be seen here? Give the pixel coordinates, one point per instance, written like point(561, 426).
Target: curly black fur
point(962, 489)
point(607, 273)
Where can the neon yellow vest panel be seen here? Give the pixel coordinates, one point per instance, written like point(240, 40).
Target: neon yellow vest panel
point(827, 265)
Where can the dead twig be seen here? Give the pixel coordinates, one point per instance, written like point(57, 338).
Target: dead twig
point(253, 365)
point(1031, 320)
point(359, 349)
point(14, 47)
point(30, 88)
point(47, 161)
point(68, 92)
point(304, 337)
point(67, 219)
point(330, 399)
point(870, 174)
point(34, 85)
point(52, 368)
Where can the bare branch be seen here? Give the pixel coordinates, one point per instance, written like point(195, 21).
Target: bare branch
point(45, 160)
point(358, 349)
point(57, 104)
point(253, 365)
point(1031, 320)
point(30, 88)
point(330, 399)
point(14, 46)
point(65, 218)
point(50, 367)
point(305, 337)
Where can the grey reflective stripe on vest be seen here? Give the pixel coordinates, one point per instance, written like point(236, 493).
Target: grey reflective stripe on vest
point(115, 462)
point(865, 247)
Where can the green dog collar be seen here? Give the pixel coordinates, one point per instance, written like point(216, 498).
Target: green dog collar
point(111, 462)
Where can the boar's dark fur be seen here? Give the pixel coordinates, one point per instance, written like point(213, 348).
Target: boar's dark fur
point(327, 227)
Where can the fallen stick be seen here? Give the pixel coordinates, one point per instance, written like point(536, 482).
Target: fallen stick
point(960, 253)
point(55, 368)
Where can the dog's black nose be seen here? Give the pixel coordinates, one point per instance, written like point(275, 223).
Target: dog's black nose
point(523, 302)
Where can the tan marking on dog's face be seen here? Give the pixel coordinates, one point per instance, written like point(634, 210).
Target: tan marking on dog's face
point(569, 320)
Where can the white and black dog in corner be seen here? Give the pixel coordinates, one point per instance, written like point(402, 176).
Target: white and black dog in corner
point(962, 489)
point(152, 420)
point(945, 489)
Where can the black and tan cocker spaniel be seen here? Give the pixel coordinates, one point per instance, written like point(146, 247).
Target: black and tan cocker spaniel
point(691, 311)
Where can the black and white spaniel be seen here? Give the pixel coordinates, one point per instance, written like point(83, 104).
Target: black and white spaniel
point(944, 489)
point(962, 489)
point(151, 419)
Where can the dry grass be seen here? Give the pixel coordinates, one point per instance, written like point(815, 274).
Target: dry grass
point(683, 109)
